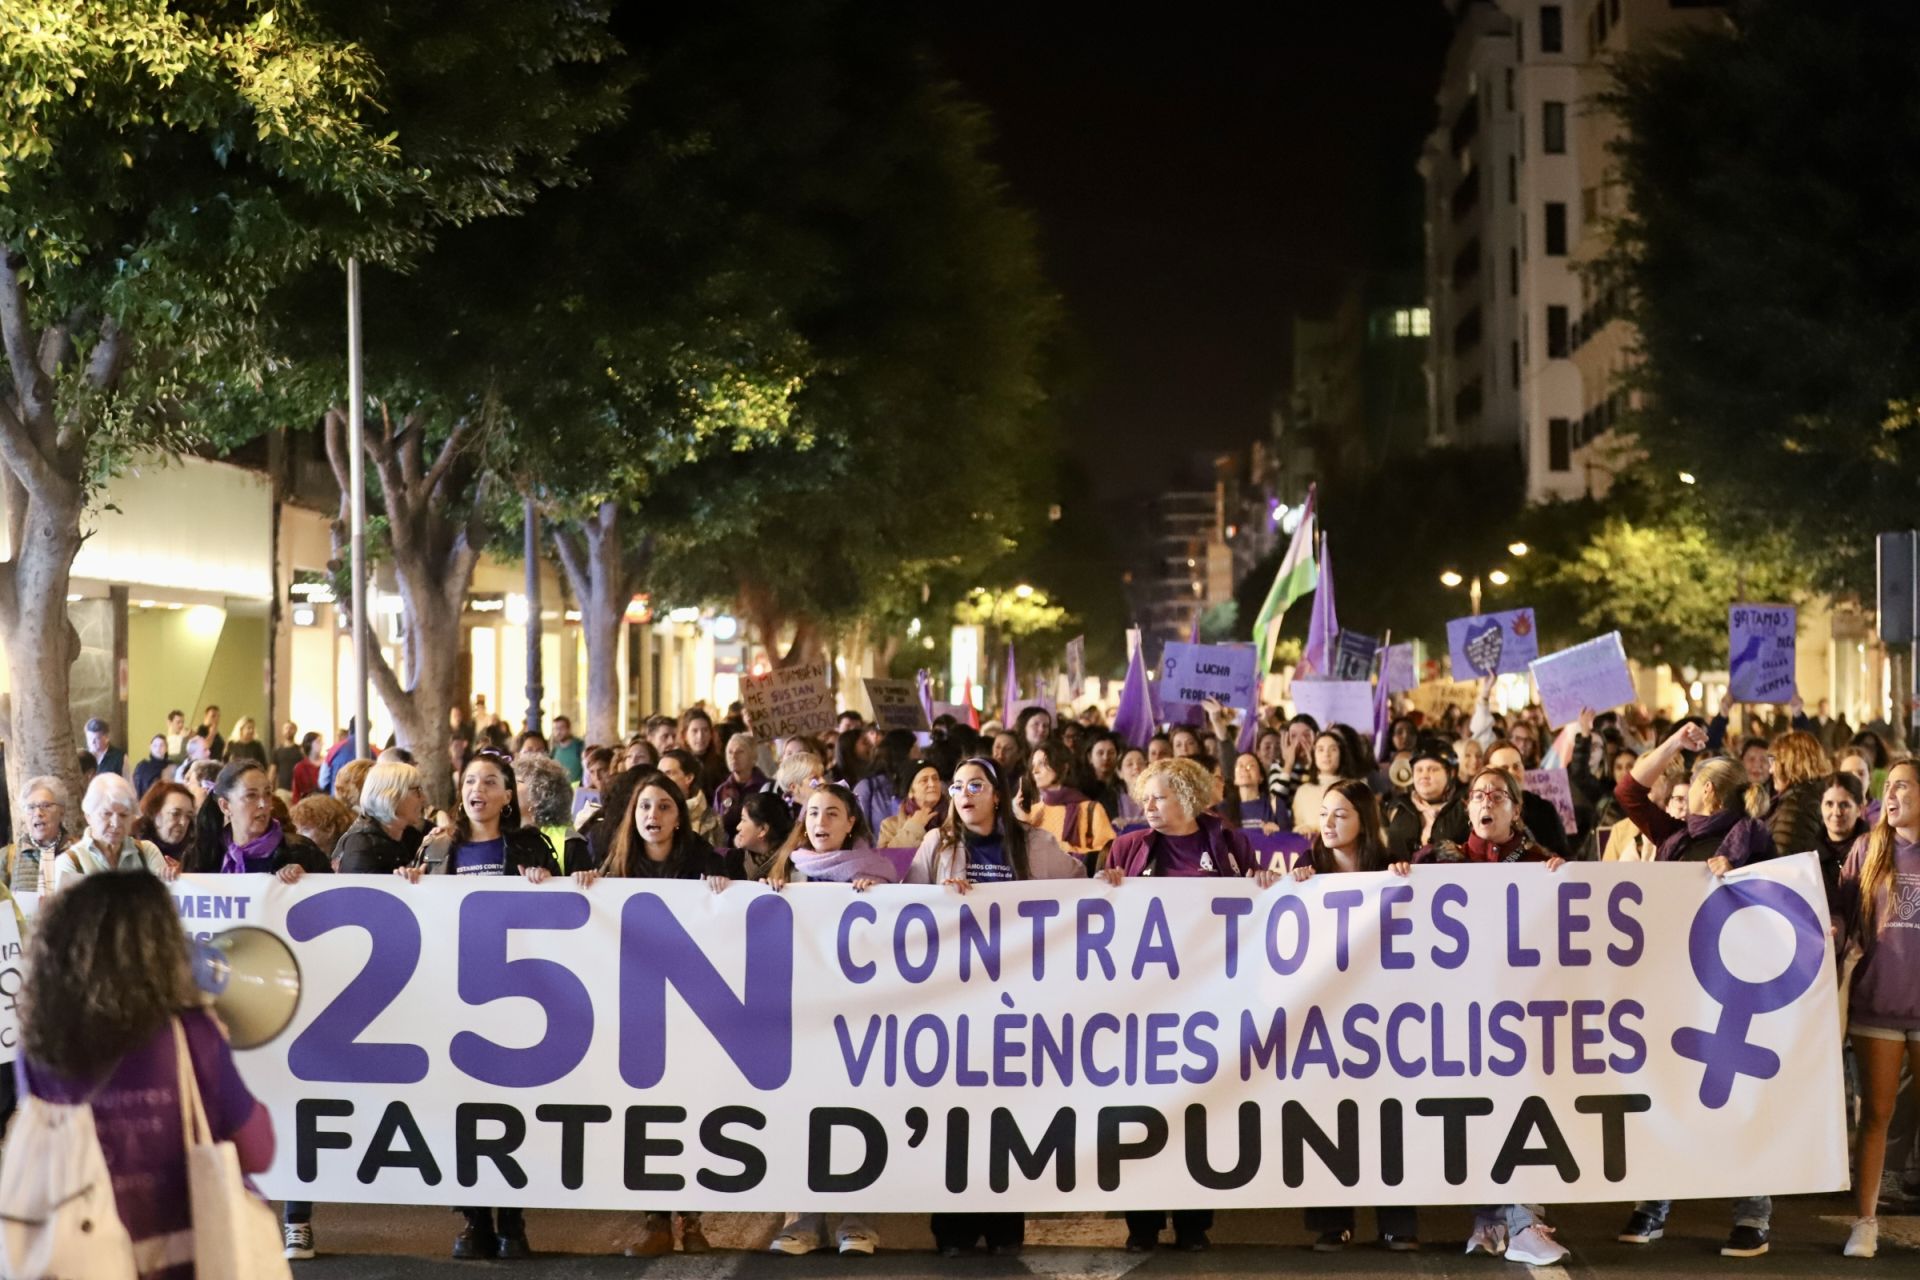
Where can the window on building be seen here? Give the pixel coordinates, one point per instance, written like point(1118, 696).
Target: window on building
point(1412, 322)
point(1613, 11)
point(1556, 214)
point(1509, 88)
point(1466, 334)
point(1553, 128)
point(1559, 444)
point(1552, 39)
point(1466, 263)
point(1513, 179)
point(1513, 358)
point(1556, 333)
point(1513, 272)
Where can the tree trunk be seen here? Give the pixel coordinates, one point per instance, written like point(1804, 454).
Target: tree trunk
point(41, 645)
point(436, 524)
point(603, 573)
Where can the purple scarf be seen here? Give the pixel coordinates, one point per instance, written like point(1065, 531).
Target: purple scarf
point(846, 865)
point(1742, 839)
point(1069, 802)
point(261, 846)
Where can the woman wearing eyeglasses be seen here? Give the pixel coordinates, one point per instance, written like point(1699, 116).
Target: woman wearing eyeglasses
point(1495, 833)
point(392, 822)
point(982, 842)
point(487, 840)
point(655, 841)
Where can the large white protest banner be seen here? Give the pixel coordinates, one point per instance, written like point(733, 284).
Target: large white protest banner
point(1478, 1034)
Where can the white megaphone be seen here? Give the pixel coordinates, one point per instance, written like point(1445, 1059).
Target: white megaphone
point(251, 980)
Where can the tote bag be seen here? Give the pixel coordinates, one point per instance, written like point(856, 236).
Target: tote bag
point(235, 1236)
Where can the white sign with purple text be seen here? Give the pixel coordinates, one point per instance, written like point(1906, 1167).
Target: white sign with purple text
point(1592, 675)
point(1461, 1035)
point(1760, 652)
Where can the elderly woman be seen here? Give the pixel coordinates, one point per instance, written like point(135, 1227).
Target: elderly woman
point(235, 831)
point(546, 798)
point(44, 802)
point(391, 825)
point(108, 844)
point(166, 819)
point(1180, 839)
point(800, 773)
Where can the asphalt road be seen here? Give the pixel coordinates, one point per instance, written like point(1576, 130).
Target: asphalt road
point(365, 1242)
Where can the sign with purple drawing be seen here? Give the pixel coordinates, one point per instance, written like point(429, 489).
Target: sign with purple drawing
point(1192, 673)
point(1760, 649)
point(1591, 674)
point(1492, 644)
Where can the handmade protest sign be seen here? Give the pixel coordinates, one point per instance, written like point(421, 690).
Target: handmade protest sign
point(789, 702)
point(1192, 673)
point(1760, 649)
point(896, 704)
point(1470, 1034)
point(13, 967)
point(1431, 698)
point(1076, 666)
point(1592, 674)
point(1492, 643)
point(1348, 702)
point(1397, 669)
point(1552, 784)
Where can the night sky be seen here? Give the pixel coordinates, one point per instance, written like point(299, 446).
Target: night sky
point(1198, 180)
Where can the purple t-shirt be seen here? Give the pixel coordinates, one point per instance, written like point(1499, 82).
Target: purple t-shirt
point(137, 1116)
point(481, 858)
point(1183, 855)
point(1886, 985)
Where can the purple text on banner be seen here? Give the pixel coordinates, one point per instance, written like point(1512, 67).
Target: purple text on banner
point(1760, 652)
point(1492, 643)
point(1591, 674)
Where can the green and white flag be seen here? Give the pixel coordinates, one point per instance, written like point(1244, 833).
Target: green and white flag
point(1299, 573)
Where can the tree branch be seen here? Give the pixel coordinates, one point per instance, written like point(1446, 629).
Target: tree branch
point(450, 452)
point(25, 463)
point(108, 356)
point(573, 559)
point(30, 382)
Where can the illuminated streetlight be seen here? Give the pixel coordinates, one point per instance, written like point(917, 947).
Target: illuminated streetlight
point(1518, 548)
point(1451, 579)
point(1686, 477)
point(1498, 577)
point(1023, 591)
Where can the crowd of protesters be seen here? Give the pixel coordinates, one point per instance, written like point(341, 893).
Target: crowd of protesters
point(698, 799)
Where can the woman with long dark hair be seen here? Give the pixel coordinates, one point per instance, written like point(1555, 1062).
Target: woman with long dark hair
point(1878, 887)
point(1053, 799)
point(655, 841)
point(108, 1005)
point(982, 842)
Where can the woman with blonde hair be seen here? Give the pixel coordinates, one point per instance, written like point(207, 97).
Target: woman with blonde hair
point(1879, 890)
point(1724, 826)
point(1798, 766)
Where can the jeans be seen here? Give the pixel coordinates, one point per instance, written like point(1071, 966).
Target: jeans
point(1514, 1217)
point(298, 1212)
point(1748, 1211)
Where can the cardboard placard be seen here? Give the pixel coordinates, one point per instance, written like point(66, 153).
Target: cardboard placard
point(789, 702)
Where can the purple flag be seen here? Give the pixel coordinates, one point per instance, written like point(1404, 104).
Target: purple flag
point(923, 679)
point(1010, 692)
point(1382, 711)
point(1133, 719)
point(1323, 629)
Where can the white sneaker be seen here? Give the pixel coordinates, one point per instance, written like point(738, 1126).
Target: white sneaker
point(858, 1240)
point(1864, 1240)
point(1489, 1238)
point(298, 1238)
point(795, 1242)
point(1536, 1247)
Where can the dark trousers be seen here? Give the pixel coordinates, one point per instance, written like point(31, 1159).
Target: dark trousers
point(1145, 1224)
point(505, 1222)
point(965, 1230)
point(298, 1212)
point(1400, 1221)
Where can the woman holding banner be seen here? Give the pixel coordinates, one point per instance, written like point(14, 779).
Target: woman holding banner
point(1496, 834)
point(1878, 887)
point(1351, 839)
point(1180, 839)
point(487, 840)
point(1723, 829)
point(655, 841)
point(983, 842)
